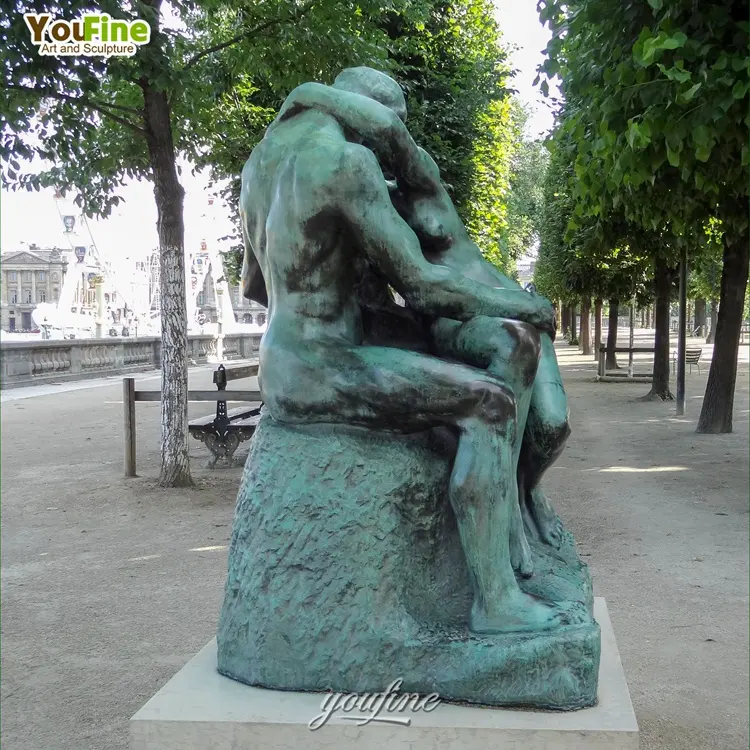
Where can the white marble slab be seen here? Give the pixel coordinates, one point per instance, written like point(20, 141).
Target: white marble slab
point(198, 709)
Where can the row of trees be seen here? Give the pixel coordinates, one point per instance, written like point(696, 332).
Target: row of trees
point(454, 70)
point(206, 86)
point(649, 160)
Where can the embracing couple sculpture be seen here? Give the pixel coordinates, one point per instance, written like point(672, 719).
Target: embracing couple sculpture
point(340, 208)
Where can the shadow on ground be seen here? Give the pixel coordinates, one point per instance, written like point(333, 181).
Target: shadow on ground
point(111, 585)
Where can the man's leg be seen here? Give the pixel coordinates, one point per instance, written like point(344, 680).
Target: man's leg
point(510, 351)
point(398, 390)
point(547, 430)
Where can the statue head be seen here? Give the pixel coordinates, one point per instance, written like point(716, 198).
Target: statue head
point(375, 85)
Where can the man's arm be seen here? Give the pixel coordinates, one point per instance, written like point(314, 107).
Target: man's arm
point(373, 124)
point(380, 130)
point(251, 278)
point(418, 177)
point(394, 249)
point(433, 217)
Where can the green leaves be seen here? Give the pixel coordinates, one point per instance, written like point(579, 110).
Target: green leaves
point(639, 135)
point(676, 41)
point(739, 90)
point(674, 95)
point(647, 49)
point(701, 135)
point(687, 95)
point(675, 73)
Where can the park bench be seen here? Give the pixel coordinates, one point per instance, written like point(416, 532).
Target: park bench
point(692, 357)
point(603, 374)
point(223, 431)
point(229, 428)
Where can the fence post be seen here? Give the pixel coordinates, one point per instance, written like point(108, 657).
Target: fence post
point(128, 403)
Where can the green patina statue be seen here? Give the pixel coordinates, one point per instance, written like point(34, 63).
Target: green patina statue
point(390, 522)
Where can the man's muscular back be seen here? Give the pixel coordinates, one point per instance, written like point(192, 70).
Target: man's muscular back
point(293, 224)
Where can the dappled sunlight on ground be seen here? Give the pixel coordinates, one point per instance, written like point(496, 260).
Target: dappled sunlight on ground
point(633, 470)
point(95, 621)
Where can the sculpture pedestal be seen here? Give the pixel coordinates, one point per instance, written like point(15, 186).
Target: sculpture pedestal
point(199, 709)
point(346, 572)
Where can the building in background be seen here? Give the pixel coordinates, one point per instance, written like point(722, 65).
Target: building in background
point(33, 276)
point(27, 278)
point(525, 268)
point(245, 310)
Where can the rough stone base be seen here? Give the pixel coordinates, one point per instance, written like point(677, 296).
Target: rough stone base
point(199, 709)
point(346, 572)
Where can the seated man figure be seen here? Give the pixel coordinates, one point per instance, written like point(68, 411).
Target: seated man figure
point(422, 201)
point(316, 213)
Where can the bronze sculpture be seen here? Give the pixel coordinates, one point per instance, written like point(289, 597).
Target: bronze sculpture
point(339, 206)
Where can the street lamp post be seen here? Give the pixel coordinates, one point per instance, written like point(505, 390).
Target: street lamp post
point(220, 334)
point(99, 306)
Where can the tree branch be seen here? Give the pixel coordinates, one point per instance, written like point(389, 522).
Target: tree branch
point(82, 101)
point(250, 32)
point(119, 107)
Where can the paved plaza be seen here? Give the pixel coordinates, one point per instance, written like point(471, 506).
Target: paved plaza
point(109, 586)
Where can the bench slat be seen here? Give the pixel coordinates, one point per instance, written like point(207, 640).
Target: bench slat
point(243, 371)
point(204, 396)
point(626, 349)
point(202, 422)
point(249, 422)
point(241, 412)
point(236, 425)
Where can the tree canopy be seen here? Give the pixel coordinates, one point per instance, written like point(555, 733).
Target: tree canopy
point(96, 121)
point(449, 59)
point(656, 105)
point(205, 86)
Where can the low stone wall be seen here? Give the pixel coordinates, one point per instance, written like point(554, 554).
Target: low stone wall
point(31, 362)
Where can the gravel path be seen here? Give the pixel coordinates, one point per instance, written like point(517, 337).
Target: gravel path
point(109, 586)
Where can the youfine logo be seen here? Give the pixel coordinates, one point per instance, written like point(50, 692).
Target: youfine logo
point(92, 35)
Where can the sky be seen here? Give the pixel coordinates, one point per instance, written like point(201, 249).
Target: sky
point(34, 218)
point(522, 30)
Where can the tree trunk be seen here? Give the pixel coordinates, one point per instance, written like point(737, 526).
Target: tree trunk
point(700, 316)
point(643, 317)
point(714, 320)
point(573, 333)
point(565, 320)
point(175, 466)
point(585, 337)
point(614, 311)
point(663, 278)
point(597, 326)
point(716, 414)
point(648, 316)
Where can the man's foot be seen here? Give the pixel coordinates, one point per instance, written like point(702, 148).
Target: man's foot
point(518, 612)
point(545, 518)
